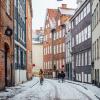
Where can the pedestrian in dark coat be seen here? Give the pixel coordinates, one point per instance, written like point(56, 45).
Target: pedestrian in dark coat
point(62, 76)
point(59, 76)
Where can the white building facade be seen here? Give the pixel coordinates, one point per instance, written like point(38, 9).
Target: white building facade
point(96, 41)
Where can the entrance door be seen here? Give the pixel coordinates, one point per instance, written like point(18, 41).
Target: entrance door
point(7, 66)
point(21, 58)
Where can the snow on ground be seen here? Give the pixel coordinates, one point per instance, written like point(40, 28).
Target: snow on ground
point(89, 87)
point(51, 90)
point(12, 91)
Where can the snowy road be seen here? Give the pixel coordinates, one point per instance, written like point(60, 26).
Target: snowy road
point(52, 90)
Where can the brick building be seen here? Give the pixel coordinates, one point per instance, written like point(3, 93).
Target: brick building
point(54, 40)
point(29, 37)
point(6, 43)
point(82, 42)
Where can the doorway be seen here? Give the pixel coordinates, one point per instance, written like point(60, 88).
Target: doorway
point(7, 65)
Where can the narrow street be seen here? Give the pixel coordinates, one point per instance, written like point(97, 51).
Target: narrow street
point(50, 90)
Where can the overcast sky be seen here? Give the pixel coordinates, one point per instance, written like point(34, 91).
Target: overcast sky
point(40, 6)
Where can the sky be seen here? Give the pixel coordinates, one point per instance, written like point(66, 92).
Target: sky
point(40, 8)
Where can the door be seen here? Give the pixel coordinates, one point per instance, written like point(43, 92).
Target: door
point(7, 66)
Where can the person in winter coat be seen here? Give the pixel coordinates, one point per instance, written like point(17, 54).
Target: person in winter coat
point(41, 75)
point(59, 76)
point(62, 76)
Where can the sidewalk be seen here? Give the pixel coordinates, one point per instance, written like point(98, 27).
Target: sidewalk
point(12, 91)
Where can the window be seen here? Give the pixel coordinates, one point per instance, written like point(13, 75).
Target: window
point(76, 20)
point(23, 57)
point(88, 8)
point(83, 38)
point(63, 32)
point(84, 11)
point(77, 39)
point(18, 30)
point(15, 55)
point(15, 3)
point(77, 60)
point(97, 48)
point(19, 55)
point(79, 63)
point(81, 15)
point(85, 58)
point(89, 31)
point(82, 59)
point(23, 36)
point(89, 58)
point(8, 5)
point(72, 24)
point(85, 33)
point(15, 26)
point(63, 47)
point(96, 16)
point(72, 41)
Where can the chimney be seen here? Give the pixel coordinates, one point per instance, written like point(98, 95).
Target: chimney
point(64, 5)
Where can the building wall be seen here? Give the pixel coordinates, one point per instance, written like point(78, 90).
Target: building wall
point(58, 43)
point(6, 19)
point(54, 43)
point(37, 57)
point(29, 37)
point(81, 42)
point(68, 50)
point(96, 41)
point(20, 35)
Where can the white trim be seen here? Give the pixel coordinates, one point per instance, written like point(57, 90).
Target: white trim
point(17, 43)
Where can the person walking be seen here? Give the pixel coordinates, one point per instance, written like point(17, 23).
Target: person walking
point(41, 75)
point(59, 76)
point(62, 76)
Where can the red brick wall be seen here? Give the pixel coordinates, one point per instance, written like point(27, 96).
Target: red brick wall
point(52, 13)
point(29, 38)
point(5, 20)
